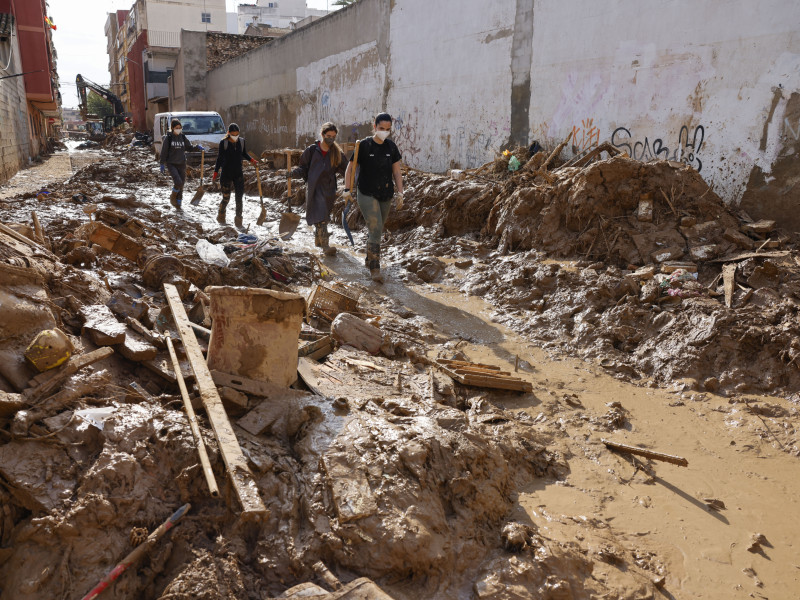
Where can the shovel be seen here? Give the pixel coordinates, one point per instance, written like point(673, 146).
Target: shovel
point(263, 214)
point(289, 220)
point(198, 195)
point(345, 226)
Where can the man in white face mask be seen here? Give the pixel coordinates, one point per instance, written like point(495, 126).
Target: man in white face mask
point(232, 151)
point(379, 162)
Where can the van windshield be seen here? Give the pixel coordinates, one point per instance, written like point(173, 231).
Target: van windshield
point(202, 124)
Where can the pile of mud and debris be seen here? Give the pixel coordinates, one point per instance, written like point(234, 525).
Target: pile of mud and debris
point(638, 266)
point(387, 464)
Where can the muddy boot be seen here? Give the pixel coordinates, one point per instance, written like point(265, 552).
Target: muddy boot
point(173, 198)
point(222, 207)
point(322, 239)
point(238, 221)
point(374, 261)
point(179, 199)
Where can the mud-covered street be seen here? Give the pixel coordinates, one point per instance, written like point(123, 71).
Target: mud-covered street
point(617, 301)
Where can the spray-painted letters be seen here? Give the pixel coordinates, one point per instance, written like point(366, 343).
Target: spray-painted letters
point(686, 150)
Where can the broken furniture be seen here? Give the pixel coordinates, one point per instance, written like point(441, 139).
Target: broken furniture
point(254, 333)
point(480, 375)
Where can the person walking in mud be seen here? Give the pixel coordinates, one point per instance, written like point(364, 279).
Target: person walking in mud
point(174, 146)
point(379, 173)
point(318, 166)
point(232, 152)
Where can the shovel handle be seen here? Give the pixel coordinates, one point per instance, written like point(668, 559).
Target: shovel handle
point(202, 165)
point(289, 175)
point(258, 178)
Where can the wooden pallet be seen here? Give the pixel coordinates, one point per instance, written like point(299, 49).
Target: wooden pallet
point(480, 375)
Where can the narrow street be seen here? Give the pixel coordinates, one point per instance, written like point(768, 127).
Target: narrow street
point(396, 472)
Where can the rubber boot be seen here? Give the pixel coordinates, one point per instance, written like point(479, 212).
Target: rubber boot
point(173, 198)
point(322, 239)
point(222, 207)
point(179, 199)
point(374, 261)
point(238, 221)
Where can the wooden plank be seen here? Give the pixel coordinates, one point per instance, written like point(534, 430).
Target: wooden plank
point(675, 460)
point(746, 255)
point(307, 372)
point(502, 382)
point(239, 473)
point(248, 386)
point(467, 364)
point(728, 279)
point(477, 371)
point(115, 241)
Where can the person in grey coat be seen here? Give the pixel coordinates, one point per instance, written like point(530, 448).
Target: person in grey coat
point(174, 146)
point(319, 164)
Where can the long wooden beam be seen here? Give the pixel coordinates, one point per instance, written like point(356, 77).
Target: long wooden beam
point(241, 477)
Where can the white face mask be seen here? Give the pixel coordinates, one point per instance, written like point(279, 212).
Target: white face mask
point(234, 138)
point(178, 130)
point(382, 135)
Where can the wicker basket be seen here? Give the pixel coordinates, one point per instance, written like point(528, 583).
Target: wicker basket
point(328, 300)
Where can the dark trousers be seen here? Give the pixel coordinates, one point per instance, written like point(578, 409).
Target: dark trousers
point(237, 183)
point(178, 173)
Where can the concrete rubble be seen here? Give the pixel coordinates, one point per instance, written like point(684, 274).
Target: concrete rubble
point(391, 460)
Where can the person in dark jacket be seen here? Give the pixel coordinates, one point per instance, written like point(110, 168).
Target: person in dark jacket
point(174, 146)
point(232, 152)
point(319, 164)
point(378, 174)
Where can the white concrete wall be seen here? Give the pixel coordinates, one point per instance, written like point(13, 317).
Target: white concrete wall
point(170, 16)
point(685, 80)
point(712, 83)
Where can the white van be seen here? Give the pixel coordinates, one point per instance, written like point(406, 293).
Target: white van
point(201, 127)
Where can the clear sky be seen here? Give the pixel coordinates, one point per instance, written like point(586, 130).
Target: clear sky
point(80, 39)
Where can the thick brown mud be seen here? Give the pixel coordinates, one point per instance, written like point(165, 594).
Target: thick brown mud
point(396, 472)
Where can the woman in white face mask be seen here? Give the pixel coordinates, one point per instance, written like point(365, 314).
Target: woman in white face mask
point(174, 147)
point(379, 173)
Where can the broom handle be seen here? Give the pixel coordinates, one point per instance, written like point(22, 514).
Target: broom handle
point(289, 174)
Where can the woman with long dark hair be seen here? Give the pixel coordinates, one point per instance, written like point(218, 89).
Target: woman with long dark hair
point(319, 164)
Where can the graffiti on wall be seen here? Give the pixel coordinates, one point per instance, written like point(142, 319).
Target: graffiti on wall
point(794, 131)
point(686, 149)
point(585, 135)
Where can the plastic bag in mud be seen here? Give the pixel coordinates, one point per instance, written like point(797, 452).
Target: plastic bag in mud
point(211, 254)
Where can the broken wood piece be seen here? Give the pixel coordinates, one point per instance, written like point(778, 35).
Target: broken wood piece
point(37, 227)
point(675, 460)
point(264, 389)
point(322, 571)
point(152, 337)
point(312, 347)
point(306, 371)
point(479, 375)
point(746, 255)
point(728, 279)
point(239, 473)
point(672, 266)
point(101, 325)
point(762, 226)
point(54, 379)
point(738, 238)
point(193, 425)
point(115, 241)
point(136, 349)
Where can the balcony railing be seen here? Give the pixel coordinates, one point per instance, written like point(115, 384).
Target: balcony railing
point(164, 39)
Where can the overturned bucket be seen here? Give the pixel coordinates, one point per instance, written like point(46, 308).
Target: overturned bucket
point(254, 333)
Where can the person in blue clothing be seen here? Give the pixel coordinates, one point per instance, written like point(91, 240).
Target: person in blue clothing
point(379, 172)
point(319, 165)
point(232, 151)
point(174, 146)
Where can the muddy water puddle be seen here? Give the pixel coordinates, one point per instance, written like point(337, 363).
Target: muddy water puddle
point(623, 510)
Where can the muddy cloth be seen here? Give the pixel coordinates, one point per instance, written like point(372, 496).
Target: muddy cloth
point(375, 175)
point(237, 183)
point(230, 159)
point(375, 214)
point(174, 149)
point(320, 175)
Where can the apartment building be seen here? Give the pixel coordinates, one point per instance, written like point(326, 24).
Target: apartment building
point(148, 39)
point(281, 14)
point(30, 103)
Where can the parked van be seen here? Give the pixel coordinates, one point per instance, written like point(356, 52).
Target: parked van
point(201, 127)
